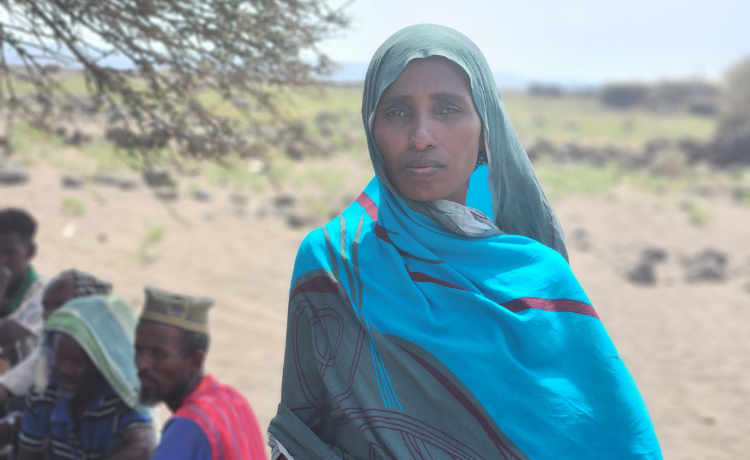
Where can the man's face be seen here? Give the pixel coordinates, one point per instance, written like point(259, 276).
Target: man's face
point(72, 366)
point(59, 291)
point(163, 367)
point(15, 253)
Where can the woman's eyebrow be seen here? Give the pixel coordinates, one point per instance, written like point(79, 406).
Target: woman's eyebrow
point(449, 97)
point(396, 100)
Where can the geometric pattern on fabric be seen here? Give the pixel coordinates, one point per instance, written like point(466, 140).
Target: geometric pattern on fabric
point(418, 431)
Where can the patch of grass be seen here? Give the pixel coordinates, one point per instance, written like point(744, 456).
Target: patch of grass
point(31, 142)
point(153, 235)
point(330, 180)
point(654, 183)
point(73, 207)
point(318, 208)
point(560, 180)
point(281, 169)
point(697, 216)
point(67, 163)
point(108, 159)
point(742, 196)
point(585, 121)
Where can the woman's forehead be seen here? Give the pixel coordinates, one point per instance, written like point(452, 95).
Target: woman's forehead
point(432, 75)
point(432, 71)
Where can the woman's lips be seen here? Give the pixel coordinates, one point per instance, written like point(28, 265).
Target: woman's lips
point(422, 167)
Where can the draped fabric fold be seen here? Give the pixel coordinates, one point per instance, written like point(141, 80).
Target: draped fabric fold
point(421, 330)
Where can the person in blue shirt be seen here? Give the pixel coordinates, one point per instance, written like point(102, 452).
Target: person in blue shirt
point(88, 409)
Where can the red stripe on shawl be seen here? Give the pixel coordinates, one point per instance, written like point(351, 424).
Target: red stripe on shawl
point(370, 207)
point(227, 420)
point(382, 233)
point(321, 284)
point(556, 305)
point(420, 277)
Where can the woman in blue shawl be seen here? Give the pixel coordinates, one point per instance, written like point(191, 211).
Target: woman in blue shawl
point(421, 328)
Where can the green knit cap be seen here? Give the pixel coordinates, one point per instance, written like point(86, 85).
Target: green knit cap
point(185, 312)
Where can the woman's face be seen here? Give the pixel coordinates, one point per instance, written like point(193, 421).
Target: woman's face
point(429, 131)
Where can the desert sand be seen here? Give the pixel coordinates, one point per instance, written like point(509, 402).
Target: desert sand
point(687, 344)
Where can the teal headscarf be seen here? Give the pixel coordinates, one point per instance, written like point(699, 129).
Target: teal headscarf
point(104, 326)
point(519, 206)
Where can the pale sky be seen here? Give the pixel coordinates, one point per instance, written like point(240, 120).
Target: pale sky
point(569, 40)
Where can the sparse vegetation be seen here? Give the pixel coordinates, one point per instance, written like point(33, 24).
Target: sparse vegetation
point(72, 207)
point(151, 236)
point(697, 215)
point(559, 180)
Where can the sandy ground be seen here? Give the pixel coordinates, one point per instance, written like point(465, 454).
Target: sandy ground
point(687, 344)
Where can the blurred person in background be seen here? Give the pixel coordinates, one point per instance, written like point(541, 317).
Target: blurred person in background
point(89, 407)
point(437, 317)
point(20, 288)
point(32, 371)
point(67, 285)
point(211, 421)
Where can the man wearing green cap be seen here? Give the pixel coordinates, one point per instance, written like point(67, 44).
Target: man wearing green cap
point(211, 421)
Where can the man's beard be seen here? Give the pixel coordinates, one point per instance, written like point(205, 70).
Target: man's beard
point(152, 398)
point(149, 398)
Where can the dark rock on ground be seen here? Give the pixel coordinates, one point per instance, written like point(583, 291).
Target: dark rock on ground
point(708, 265)
point(166, 193)
point(296, 220)
point(580, 239)
point(128, 140)
point(78, 138)
point(72, 181)
point(284, 201)
point(642, 273)
point(158, 178)
point(125, 183)
point(644, 270)
point(13, 176)
point(654, 255)
point(105, 179)
point(113, 180)
point(200, 195)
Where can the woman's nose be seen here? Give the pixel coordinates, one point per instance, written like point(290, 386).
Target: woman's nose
point(421, 136)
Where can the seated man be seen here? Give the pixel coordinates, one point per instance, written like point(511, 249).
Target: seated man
point(67, 285)
point(20, 287)
point(211, 421)
point(89, 409)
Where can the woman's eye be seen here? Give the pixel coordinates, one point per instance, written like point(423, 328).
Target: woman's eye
point(447, 111)
point(396, 113)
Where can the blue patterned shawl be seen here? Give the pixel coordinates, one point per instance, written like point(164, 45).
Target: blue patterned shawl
point(411, 338)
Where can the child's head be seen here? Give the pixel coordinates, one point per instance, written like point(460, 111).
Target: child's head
point(17, 247)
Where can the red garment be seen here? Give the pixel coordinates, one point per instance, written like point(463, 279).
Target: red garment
point(226, 418)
